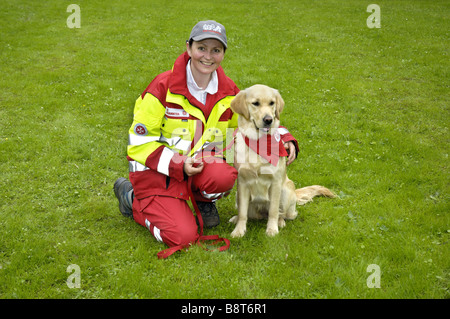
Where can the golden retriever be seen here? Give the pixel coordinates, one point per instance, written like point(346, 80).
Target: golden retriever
point(263, 188)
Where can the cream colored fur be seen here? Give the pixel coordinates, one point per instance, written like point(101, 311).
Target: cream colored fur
point(264, 191)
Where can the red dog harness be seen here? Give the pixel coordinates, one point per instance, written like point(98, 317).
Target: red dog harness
point(268, 146)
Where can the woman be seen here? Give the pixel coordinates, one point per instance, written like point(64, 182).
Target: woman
point(179, 122)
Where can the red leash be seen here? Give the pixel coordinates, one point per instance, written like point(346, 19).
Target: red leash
point(201, 238)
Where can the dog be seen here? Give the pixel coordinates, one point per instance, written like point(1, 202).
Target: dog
point(263, 187)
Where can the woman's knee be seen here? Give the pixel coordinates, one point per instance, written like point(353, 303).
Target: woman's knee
point(216, 178)
point(180, 235)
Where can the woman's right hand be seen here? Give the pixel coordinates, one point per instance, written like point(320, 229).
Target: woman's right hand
point(191, 168)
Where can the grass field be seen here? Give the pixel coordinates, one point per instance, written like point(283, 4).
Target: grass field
point(369, 106)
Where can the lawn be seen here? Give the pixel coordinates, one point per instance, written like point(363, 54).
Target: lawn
point(369, 107)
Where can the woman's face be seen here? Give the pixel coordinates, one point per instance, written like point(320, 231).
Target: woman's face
point(206, 56)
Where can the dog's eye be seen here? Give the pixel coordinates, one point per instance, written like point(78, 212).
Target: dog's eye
point(255, 103)
point(271, 103)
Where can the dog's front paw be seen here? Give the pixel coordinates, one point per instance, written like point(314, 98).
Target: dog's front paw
point(238, 232)
point(233, 219)
point(271, 231)
point(281, 222)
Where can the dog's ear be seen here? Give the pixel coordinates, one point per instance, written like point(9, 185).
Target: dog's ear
point(280, 104)
point(239, 106)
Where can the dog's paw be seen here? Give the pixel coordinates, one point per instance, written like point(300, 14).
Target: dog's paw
point(271, 231)
point(281, 222)
point(233, 219)
point(238, 232)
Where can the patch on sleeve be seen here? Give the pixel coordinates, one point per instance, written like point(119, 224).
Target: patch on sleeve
point(140, 129)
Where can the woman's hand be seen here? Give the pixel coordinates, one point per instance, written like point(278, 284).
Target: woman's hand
point(290, 147)
point(191, 168)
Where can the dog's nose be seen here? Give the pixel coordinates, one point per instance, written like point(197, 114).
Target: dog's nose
point(267, 120)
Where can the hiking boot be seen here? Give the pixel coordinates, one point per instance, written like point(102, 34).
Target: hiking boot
point(124, 193)
point(209, 214)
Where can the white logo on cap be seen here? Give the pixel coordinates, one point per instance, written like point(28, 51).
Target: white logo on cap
point(212, 27)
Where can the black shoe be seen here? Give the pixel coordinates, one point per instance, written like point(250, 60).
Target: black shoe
point(209, 214)
point(121, 188)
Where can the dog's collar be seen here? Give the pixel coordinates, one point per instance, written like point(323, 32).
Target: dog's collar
point(268, 146)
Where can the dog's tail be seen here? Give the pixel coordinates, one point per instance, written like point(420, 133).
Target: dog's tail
point(306, 194)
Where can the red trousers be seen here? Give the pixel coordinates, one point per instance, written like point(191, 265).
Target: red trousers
point(169, 219)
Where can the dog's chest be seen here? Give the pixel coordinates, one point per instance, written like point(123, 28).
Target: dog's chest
point(255, 173)
point(258, 185)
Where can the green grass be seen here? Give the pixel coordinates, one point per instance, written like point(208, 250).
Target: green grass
point(368, 106)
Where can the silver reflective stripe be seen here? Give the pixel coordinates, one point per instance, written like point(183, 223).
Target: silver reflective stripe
point(213, 195)
point(164, 161)
point(136, 167)
point(163, 164)
point(177, 142)
point(183, 145)
point(156, 231)
point(139, 139)
point(217, 146)
point(170, 141)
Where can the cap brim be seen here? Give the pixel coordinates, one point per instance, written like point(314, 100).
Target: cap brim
point(209, 36)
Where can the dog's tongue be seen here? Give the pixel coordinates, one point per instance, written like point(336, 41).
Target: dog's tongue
point(266, 129)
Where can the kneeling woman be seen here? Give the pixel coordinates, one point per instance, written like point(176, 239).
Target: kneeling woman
point(178, 120)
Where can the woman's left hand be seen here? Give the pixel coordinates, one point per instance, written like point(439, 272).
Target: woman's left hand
point(290, 147)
